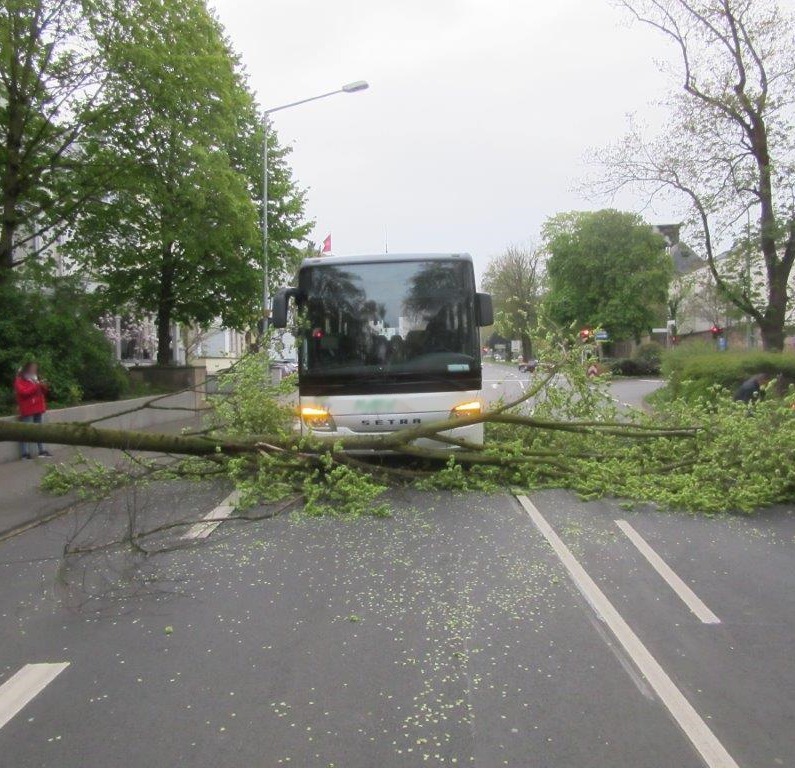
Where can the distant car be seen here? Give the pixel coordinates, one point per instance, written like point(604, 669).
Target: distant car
point(530, 365)
point(287, 365)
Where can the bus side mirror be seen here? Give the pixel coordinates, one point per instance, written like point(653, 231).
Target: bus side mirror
point(279, 310)
point(485, 310)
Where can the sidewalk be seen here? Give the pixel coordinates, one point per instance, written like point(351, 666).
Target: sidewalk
point(21, 499)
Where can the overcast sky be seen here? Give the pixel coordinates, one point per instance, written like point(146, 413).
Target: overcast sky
point(478, 120)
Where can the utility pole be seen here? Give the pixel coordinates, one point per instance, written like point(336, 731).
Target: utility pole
point(266, 300)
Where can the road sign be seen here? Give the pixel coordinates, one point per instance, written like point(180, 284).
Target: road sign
point(659, 330)
point(516, 346)
point(601, 336)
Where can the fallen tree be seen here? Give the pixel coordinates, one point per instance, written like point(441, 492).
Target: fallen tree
point(400, 441)
point(78, 434)
point(565, 431)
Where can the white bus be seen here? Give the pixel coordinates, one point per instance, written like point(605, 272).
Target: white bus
point(387, 342)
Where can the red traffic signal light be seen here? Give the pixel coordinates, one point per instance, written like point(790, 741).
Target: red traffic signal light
point(716, 331)
point(586, 335)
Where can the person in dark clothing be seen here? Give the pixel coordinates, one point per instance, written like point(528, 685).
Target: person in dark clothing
point(752, 388)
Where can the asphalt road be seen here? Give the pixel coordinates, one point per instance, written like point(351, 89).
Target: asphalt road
point(503, 380)
point(449, 634)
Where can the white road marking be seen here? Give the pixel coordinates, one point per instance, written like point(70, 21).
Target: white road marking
point(697, 731)
point(693, 602)
point(213, 518)
point(24, 685)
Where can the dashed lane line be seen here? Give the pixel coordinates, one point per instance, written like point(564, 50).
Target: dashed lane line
point(213, 519)
point(691, 600)
point(695, 728)
point(24, 685)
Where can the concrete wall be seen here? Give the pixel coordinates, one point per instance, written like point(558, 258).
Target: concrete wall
point(214, 365)
point(170, 409)
point(169, 377)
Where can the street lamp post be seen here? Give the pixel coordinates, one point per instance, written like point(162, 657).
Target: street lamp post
point(358, 85)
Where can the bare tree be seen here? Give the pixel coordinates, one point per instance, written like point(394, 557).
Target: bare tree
point(702, 302)
point(729, 148)
point(515, 280)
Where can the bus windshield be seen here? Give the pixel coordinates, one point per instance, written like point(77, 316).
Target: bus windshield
point(401, 320)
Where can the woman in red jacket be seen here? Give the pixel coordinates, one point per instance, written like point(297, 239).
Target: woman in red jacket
point(31, 395)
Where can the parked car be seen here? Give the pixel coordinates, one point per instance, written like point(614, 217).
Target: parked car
point(530, 365)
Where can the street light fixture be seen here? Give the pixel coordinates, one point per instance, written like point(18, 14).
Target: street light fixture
point(354, 87)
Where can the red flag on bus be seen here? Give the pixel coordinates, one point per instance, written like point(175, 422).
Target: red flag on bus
point(326, 245)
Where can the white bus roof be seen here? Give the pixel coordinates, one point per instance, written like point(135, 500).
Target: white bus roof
point(374, 258)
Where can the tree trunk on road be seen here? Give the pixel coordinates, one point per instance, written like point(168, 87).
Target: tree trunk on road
point(74, 434)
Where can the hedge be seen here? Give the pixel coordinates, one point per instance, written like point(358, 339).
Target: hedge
point(692, 375)
point(629, 367)
point(645, 362)
point(55, 327)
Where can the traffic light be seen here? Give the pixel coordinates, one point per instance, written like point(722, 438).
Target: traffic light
point(716, 331)
point(586, 335)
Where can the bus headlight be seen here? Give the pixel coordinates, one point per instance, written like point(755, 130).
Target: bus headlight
point(317, 418)
point(468, 409)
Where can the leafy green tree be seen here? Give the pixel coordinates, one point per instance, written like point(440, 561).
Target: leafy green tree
point(50, 78)
point(728, 148)
point(288, 226)
point(176, 231)
point(606, 269)
point(515, 281)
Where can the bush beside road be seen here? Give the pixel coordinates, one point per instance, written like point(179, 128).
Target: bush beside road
point(691, 373)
